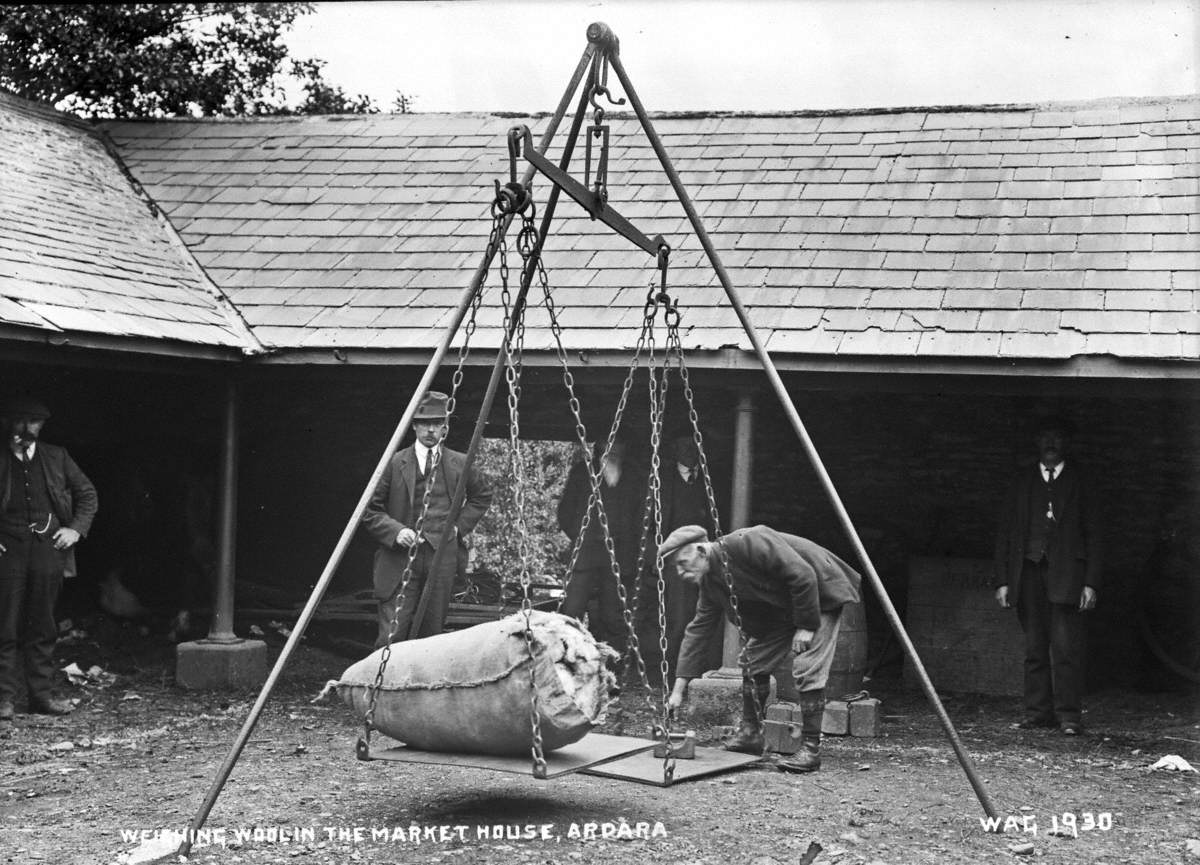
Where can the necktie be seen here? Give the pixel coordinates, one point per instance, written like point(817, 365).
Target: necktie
point(1050, 493)
point(426, 463)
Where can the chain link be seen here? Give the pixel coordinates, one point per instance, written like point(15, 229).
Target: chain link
point(495, 244)
point(676, 348)
point(514, 346)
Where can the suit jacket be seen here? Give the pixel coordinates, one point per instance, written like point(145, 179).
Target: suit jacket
point(1074, 557)
point(676, 492)
point(393, 507)
point(781, 581)
point(623, 506)
point(72, 496)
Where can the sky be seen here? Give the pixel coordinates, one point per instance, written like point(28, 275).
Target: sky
point(760, 55)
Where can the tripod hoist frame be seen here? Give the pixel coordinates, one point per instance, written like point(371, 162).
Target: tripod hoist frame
point(601, 54)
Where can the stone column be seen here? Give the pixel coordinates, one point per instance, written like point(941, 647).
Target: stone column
point(739, 510)
point(717, 695)
point(222, 659)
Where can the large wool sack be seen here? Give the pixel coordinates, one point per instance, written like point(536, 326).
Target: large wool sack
point(468, 691)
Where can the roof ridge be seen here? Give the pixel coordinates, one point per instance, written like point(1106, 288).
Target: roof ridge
point(40, 110)
point(683, 114)
point(237, 322)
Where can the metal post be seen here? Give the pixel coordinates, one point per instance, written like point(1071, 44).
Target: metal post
point(221, 628)
point(802, 433)
point(335, 558)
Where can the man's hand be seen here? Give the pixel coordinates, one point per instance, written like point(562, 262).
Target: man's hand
point(1087, 599)
point(65, 538)
point(407, 537)
point(678, 694)
point(1002, 597)
point(802, 641)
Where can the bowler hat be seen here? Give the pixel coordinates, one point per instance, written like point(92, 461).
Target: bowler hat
point(24, 406)
point(432, 407)
point(681, 537)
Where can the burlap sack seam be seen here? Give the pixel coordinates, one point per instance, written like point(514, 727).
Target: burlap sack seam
point(438, 686)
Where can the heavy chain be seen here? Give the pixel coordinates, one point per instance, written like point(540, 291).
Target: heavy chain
point(648, 315)
point(595, 501)
point(675, 347)
point(514, 345)
point(627, 609)
point(496, 244)
point(654, 504)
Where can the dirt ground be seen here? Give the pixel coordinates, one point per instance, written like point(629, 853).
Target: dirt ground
point(139, 754)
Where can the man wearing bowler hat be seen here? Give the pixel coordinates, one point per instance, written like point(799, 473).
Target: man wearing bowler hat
point(1048, 566)
point(423, 470)
point(790, 593)
point(46, 507)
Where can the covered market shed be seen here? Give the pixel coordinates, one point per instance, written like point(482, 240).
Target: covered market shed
point(926, 280)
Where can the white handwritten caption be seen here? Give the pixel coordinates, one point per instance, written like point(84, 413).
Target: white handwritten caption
point(1067, 823)
point(413, 834)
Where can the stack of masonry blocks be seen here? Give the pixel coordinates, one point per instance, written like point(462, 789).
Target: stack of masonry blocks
point(965, 641)
point(781, 726)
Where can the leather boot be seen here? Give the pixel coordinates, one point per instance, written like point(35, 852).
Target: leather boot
point(749, 737)
point(808, 758)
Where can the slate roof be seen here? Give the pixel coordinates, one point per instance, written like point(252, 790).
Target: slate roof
point(992, 234)
point(81, 251)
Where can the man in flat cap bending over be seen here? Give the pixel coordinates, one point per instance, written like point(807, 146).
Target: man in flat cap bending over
point(790, 593)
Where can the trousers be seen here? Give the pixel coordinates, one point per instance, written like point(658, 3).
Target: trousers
point(432, 623)
point(1055, 639)
point(608, 625)
point(811, 667)
point(31, 576)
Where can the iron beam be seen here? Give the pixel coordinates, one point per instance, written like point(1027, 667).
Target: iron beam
point(802, 434)
point(339, 551)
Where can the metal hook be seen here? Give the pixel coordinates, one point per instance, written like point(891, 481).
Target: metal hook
point(514, 196)
point(515, 136)
point(602, 90)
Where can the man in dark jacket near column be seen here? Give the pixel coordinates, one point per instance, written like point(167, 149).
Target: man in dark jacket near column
point(1047, 566)
point(790, 593)
point(46, 506)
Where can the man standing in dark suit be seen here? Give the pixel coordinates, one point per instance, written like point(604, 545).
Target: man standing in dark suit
point(1047, 566)
point(622, 493)
point(46, 506)
point(684, 503)
point(423, 470)
point(790, 593)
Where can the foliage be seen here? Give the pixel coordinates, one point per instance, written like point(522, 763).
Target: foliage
point(544, 465)
point(163, 60)
point(321, 97)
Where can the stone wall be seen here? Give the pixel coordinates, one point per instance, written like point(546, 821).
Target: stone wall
point(922, 475)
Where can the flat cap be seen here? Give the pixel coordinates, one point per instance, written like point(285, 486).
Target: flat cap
point(681, 537)
point(24, 406)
